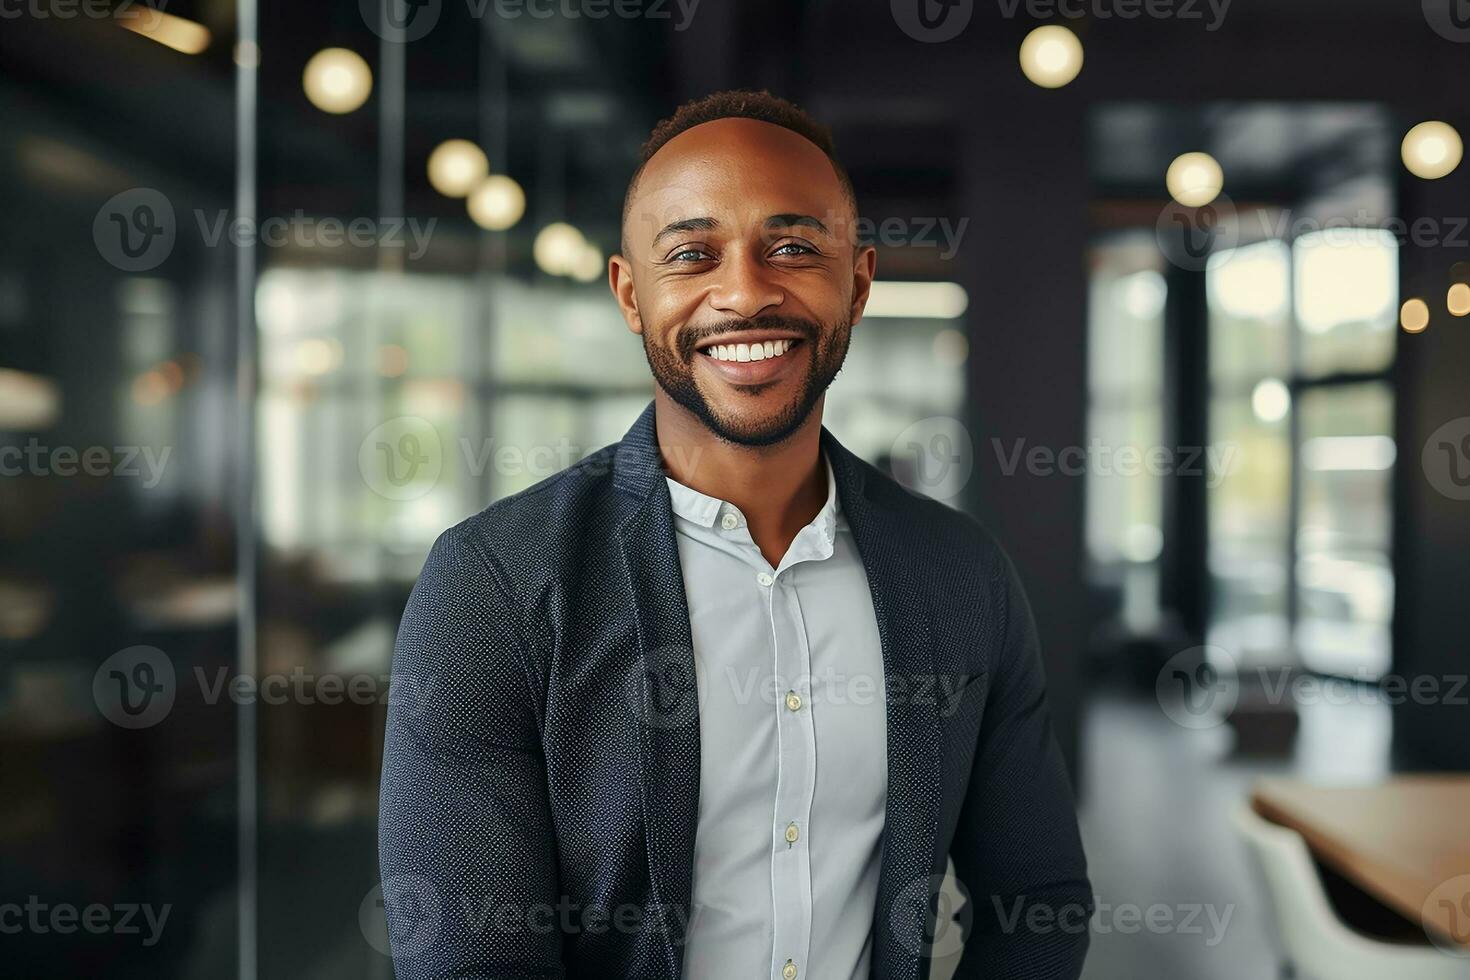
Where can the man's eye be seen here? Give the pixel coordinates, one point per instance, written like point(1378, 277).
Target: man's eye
point(794, 248)
point(689, 255)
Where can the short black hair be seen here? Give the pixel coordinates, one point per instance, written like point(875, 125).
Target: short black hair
point(761, 106)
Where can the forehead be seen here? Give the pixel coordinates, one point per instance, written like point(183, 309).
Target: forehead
point(738, 171)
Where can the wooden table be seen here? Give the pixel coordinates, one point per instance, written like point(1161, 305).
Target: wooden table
point(1405, 841)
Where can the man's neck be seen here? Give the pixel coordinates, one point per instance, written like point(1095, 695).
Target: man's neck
point(779, 488)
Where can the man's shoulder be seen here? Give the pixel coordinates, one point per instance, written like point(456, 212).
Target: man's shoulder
point(586, 483)
point(524, 537)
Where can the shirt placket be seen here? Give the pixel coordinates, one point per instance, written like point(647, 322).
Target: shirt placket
point(792, 839)
point(796, 745)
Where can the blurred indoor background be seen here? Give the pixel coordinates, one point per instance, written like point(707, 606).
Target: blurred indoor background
point(1171, 297)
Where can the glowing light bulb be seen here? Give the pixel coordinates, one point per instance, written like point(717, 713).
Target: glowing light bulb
point(497, 203)
point(557, 248)
point(1270, 400)
point(1458, 299)
point(1432, 149)
point(589, 264)
point(456, 167)
point(1051, 56)
point(1414, 315)
point(1194, 179)
point(337, 80)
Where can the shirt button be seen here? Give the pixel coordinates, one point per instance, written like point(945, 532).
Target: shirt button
point(793, 701)
point(729, 522)
point(789, 971)
point(792, 833)
point(764, 579)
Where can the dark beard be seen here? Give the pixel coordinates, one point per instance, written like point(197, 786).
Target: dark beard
point(673, 369)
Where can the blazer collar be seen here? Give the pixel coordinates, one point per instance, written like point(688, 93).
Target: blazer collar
point(668, 705)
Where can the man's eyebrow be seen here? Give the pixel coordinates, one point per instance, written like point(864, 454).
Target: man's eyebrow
point(686, 224)
point(789, 220)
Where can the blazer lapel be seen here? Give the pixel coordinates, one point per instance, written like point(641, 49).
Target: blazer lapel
point(663, 690)
point(906, 881)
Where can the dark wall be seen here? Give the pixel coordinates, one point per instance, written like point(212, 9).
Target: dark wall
point(1432, 561)
point(1023, 266)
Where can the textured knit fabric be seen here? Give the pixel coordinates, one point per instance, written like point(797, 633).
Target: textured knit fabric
point(792, 734)
point(540, 789)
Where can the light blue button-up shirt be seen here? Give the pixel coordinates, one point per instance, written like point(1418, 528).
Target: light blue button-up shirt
point(793, 735)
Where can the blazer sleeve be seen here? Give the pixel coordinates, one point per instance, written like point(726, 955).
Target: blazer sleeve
point(1016, 849)
point(465, 841)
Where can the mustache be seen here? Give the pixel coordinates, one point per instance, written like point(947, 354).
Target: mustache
point(691, 337)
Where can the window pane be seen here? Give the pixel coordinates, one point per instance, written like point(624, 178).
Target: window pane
point(1347, 285)
point(1124, 501)
point(538, 437)
point(1125, 359)
point(1125, 330)
point(1344, 580)
point(547, 335)
point(1248, 291)
point(1248, 514)
point(876, 402)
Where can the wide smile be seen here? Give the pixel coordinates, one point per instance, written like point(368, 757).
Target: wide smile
point(752, 358)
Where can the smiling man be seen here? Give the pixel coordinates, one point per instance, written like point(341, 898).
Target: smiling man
point(721, 699)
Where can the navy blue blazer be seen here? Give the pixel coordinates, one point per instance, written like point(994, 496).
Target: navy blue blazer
point(540, 788)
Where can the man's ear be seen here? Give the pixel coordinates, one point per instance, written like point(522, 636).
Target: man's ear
point(620, 281)
point(865, 263)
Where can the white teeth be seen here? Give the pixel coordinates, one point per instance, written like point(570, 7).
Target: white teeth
point(749, 352)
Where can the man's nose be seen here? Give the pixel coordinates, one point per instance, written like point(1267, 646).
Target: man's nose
point(745, 287)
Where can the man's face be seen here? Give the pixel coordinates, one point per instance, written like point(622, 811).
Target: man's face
point(741, 273)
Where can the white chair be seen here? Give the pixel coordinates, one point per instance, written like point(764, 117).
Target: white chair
point(1316, 943)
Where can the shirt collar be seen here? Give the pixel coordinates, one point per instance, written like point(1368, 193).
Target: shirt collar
point(703, 510)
